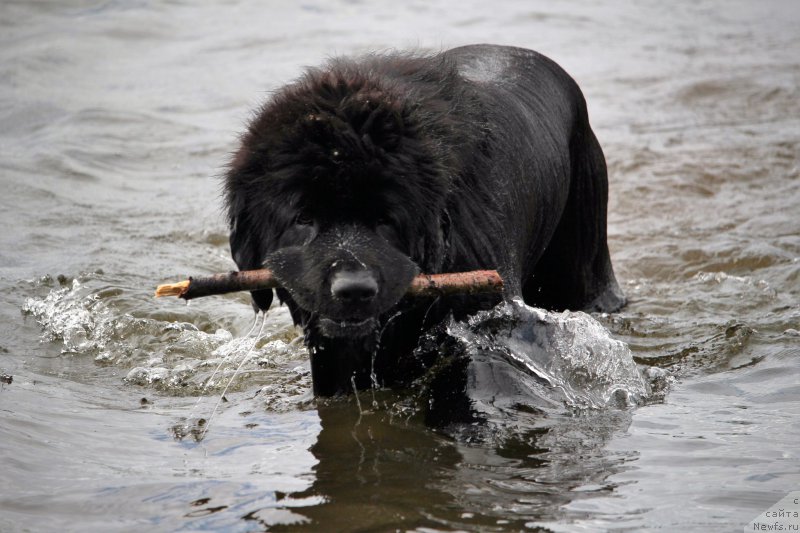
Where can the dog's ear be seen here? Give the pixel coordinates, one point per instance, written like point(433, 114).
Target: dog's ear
point(246, 250)
point(437, 245)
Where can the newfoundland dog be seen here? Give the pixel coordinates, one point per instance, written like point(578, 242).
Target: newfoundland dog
point(365, 172)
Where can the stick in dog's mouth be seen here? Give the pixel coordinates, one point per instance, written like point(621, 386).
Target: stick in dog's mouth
point(474, 282)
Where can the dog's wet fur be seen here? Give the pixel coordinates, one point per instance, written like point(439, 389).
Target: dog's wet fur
point(365, 172)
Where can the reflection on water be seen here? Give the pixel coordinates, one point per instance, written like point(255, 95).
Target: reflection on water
point(367, 463)
point(117, 118)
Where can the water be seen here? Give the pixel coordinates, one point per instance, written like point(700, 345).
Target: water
point(117, 119)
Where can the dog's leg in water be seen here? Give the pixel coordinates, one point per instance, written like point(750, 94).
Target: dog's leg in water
point(236, 373)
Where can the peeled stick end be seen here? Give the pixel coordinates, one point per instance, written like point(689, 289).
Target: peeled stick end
point(173, 289)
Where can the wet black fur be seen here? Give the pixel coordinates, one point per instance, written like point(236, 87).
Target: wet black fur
point(478, 157)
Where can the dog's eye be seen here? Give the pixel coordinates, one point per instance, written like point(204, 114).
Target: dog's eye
point(304, 220)
point(301, 232)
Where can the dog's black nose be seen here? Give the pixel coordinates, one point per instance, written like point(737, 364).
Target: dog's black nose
point(354, 286)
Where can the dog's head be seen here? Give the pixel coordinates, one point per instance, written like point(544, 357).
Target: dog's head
point(339, 189)
point(344, 275)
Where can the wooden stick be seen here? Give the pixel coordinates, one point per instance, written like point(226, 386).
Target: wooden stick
point(477, 281)
point(246, 280)
point(474, 282)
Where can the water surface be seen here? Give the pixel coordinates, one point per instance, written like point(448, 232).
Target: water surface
point(117, 120)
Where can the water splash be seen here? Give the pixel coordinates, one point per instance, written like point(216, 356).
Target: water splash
point(158, 352)
point(73, 315)
point(571, 358)
point(245, 358)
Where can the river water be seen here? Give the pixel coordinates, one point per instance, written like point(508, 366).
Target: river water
point(116, 121)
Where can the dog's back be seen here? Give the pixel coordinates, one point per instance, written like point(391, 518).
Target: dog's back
point(550, 175)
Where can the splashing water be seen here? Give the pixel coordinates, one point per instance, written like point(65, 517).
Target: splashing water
point(171, 356)
point(571, 357)
point(82, 321)
point(551, 360)
point(235, 374)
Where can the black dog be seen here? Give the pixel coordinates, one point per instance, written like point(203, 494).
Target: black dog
point(366, 172)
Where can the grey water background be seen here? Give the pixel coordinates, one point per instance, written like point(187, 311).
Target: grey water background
point(116, 120)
